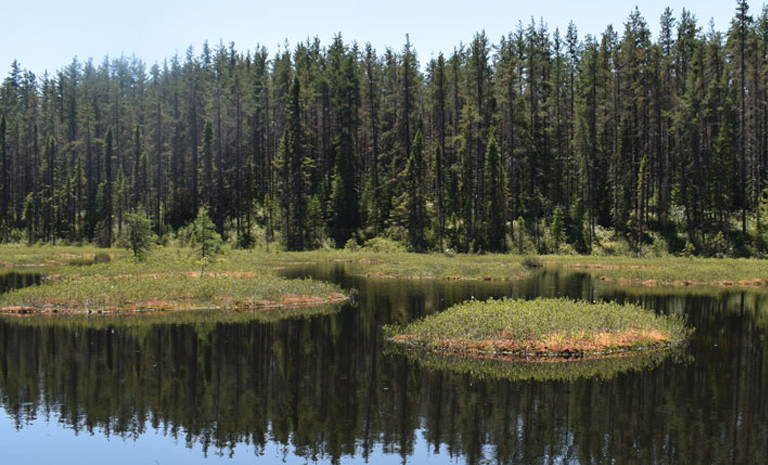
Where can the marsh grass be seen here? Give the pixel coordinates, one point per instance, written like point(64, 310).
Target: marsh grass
point(649, 272)
point(161, 270)
point(674, 271)
point(548, 327)
point(405, 265)
point(49, 256)
point(166, 292)
point(666, 271)
point(169, 278)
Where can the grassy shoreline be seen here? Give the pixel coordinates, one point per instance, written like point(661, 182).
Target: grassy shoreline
point(649, 272)
point(541, 328)
point(621, 270)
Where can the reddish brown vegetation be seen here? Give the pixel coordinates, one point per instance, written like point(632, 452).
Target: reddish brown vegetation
point(549, 345)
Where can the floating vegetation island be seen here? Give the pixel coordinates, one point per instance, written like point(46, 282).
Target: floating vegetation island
point(169, 279)
point(553, 328)
point(173, 291)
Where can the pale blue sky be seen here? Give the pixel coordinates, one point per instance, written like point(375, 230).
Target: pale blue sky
point(47, 34)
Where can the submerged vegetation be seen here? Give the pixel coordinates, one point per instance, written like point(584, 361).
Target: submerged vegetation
point(542, 327)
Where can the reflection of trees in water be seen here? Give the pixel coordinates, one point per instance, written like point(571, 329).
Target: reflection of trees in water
point(15, 280)
point(322, 387)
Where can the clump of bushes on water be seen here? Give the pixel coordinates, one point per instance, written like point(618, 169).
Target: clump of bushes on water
point(542, 327)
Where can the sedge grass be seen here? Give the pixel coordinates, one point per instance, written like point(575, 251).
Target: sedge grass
point(542, 327)
point(673, 271)
point(52, 256)
point(164, 292)
point(661, 271)
point(404, 265)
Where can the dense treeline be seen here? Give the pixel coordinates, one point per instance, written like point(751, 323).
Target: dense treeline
point(544, 141)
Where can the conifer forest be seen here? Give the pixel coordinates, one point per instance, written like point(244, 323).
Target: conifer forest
point(539, 141)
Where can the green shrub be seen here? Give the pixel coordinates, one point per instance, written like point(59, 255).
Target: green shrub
point(102, 257)
point(382, 244)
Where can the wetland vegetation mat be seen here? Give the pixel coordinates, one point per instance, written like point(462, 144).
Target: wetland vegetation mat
point(548, 327)
point(169, 279)
point(167, 292)
point(671, 271)
point(648, 272)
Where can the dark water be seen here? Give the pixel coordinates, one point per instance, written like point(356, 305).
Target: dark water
point(324, 389)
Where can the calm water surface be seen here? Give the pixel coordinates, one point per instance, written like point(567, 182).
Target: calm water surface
point(325, 389)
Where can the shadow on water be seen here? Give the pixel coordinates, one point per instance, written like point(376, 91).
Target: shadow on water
point(322, 385)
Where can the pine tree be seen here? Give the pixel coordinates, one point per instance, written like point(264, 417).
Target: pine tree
point(344, 192)
point(416, 202)
point(438, 171)
point(741, 27)
point(291, 168)
point(208, 191)
point(558, 227)
point(495, 198)
point(343, 197)
point(4, 183)
point(108, 195)
point(761, 216)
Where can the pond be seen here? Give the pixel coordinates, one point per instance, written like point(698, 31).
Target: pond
point(326, 388)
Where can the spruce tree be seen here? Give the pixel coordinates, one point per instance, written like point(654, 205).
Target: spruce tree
point(495, 198)
point(291, 169)
point(4, 183)
point(138, 232)
point(416, 202)
point(108, 195)
point(343, 197)
point(206, 240)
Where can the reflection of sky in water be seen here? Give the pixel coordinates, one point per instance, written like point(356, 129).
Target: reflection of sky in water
point(46, 441)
